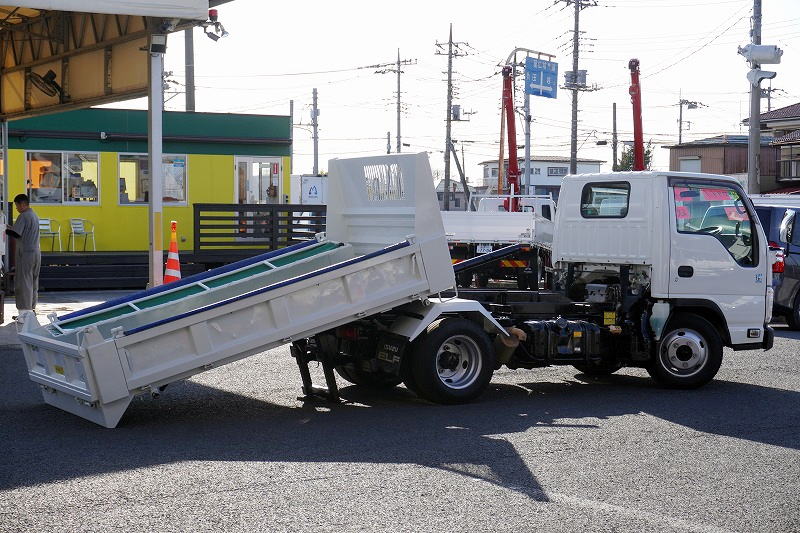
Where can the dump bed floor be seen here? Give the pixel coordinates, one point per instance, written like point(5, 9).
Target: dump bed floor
point(203, 289)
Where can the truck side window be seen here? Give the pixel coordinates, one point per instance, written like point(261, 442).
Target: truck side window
point(605, 200)
point(716, 211)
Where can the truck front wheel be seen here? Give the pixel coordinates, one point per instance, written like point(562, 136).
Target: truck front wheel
point(452, 362)
point(689, 354)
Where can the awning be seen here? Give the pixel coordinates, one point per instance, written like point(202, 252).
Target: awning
point(184, 9)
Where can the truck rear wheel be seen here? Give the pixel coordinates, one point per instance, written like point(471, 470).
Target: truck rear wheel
point(689, 354)
point(464, 279)
point(372, 380)
point(452, 362)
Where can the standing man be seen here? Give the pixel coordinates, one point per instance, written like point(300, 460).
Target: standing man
point(28, 257)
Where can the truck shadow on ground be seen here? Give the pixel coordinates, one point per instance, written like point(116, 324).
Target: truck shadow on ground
point(195, 422)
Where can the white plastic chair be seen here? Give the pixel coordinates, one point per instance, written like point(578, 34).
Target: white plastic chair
point(52, 229)
point(81, 227)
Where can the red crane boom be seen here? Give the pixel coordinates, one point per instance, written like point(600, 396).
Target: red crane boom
point(636, 99)
point(513, 163)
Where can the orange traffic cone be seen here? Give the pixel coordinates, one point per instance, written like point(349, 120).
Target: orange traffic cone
point(173, 270)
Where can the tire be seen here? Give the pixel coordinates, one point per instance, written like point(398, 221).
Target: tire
point(464, 279)
point(522, 280)
point(689, 354)
point(371, 380)
point(604, 368)
point(452, 362)
point(793, 316)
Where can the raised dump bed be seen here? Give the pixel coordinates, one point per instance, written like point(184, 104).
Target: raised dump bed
point(385, 247)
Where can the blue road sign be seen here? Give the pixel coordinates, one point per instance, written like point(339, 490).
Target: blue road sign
point(541, 77)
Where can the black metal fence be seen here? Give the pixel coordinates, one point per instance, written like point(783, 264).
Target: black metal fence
point(226, 232)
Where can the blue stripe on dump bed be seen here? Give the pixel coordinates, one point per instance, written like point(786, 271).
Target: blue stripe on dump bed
point(272, 287)
point(188, 281)
point(479, 260)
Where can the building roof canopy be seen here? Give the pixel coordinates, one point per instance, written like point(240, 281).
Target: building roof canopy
point(183, 9)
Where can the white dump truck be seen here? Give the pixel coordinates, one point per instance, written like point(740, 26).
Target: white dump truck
point(384, 249)
point(642, 282)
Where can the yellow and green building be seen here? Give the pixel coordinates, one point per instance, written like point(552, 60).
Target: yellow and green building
point(92, 164)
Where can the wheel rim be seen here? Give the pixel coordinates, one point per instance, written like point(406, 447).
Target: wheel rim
point(458, 362)
point(684, 353)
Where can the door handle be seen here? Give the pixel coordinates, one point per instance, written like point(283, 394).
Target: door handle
point(685, 271)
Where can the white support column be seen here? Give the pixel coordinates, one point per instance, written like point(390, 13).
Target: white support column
point(154, 148)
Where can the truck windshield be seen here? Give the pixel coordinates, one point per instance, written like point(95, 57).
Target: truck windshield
point(716, 211)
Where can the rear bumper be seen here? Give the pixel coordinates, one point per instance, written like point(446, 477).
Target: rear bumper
point(769, 338)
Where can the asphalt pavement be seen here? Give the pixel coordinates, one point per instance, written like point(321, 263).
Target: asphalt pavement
point(543, 450)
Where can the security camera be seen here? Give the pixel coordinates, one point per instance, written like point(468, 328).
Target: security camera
point(169, 25)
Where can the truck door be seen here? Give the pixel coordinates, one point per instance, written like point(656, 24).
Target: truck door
point(716, 253)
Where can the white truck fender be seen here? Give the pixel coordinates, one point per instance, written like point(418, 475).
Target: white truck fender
point(417, 316)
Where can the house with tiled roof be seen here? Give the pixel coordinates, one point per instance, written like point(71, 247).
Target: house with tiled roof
point(784, 125)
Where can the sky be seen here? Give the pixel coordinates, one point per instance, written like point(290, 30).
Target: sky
point(280, 51)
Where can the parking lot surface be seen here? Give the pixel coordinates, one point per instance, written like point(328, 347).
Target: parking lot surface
point(549, 450)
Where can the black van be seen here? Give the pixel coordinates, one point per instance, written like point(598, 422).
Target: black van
point(783, 233)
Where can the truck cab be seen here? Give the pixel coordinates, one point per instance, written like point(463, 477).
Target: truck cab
point(693, 241)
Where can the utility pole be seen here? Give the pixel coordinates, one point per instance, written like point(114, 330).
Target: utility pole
point(573, 139)
point(573, 81)
point(527, 174)
point(399, 71)
point(767, 93)
point(754, 131)
point(614, 139)
point(189, 63)
point(453, 50)
point(385, 68)
point(757, 54)
point(314, 126)
point(690, 104)
point(388, 142)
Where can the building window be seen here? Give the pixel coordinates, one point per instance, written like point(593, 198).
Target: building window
point(789, 162)
point(537, 171)
point(62, 177)
point(494, 172)
point(689, 164)
point(134, 178)
point(556, 171)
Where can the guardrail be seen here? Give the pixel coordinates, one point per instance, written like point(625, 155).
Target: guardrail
point(226, 232)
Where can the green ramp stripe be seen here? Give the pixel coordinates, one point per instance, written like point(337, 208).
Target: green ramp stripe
point(303, 254)
point(91, 319)
point(163, 298)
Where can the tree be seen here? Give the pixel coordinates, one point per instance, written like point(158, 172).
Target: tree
point(626, 158)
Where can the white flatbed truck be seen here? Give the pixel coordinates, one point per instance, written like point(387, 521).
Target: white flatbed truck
point(640, 284)
point(489, 227)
